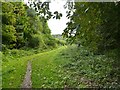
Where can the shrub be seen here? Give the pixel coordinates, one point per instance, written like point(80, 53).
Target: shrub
point(36, 41)
point(60, 42)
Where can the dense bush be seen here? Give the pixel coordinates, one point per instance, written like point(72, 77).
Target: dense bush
point(8, 35)
point(60, 42)
point(36, 41)
point(21, 27)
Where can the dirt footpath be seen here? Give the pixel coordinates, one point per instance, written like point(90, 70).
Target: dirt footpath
point(27, 80)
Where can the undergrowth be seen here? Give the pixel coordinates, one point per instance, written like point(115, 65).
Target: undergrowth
point(93, 70)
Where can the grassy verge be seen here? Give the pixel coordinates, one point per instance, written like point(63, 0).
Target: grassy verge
point(14, 68)
point(13, 73)
point(48, 71)
point(66, 66)
point(0, 70)
point(14, 64)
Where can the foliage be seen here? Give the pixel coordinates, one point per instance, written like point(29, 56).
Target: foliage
point(13, 71)
point(71, 66)
point(92, 70)
point(8, 35)
point(88, 22)
point(36, 41)
point(42, 9)
point(60, 42)
point(49, 70)
point(94, 24)
point(15, 62)
point(22, 27)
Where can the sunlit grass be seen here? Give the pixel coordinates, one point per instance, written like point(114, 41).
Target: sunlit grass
point(14, 69)
point(13, 73)
point(46, 71)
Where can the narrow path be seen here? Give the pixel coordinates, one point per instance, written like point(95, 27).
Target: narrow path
point(27, 80)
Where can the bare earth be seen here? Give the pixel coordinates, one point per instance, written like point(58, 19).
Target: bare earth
point(27, 80)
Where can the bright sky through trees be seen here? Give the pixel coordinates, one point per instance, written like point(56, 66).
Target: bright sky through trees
point(57, 26)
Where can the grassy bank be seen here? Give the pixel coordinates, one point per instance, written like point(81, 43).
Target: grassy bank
point(14, 64)
point(67, 66)
point(91, 69)
point(48, 71)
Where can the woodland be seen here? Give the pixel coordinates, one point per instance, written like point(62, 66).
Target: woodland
point(86, 55)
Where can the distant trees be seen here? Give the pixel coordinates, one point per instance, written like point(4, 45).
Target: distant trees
point(94, 25)
point(8, 22)
point(22, 27)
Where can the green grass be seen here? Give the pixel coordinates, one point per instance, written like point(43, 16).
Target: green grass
point(13, 73)
point(14, 63)
point(47, 70)
point(0, 70)
point(67, 65)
